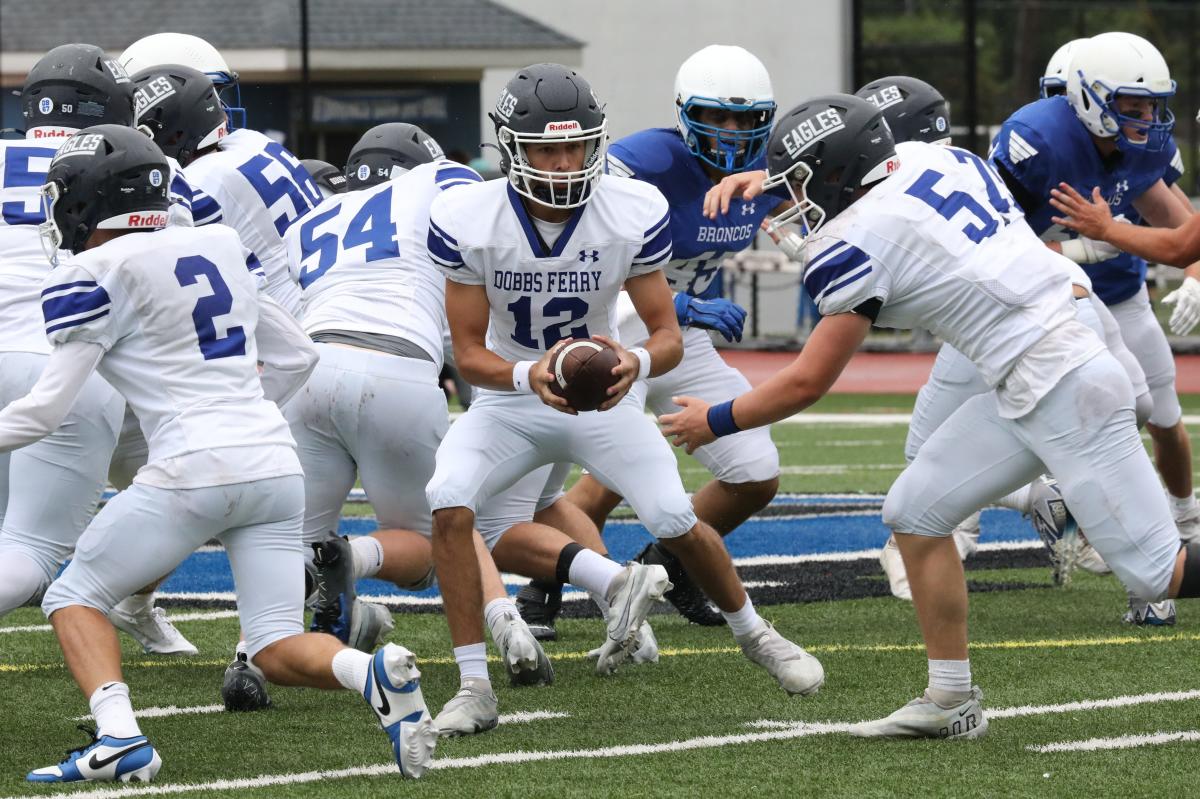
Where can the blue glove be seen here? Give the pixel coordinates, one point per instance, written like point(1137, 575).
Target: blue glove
point(718, 314)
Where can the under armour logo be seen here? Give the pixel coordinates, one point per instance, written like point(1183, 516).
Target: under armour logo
point(584, 256)
point(747, 209)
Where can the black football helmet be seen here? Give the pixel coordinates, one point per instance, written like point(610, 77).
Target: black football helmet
point(914, 110)
point(824, 151)
point(103, 177)
point(180, 108)
point(386, 148)
point(550, 103)
point(329, 179)
point(76, 86)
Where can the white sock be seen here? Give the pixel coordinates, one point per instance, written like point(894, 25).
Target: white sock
point(472, 662)
point(1017, 500)
point(744, 621)
point(949, 681)
point(496, 614)
point(593, 572)
point(351, 668)
point(1180, 506)
point(113, 712)
point(240, 649)
point(137, 604)
point(368, 556)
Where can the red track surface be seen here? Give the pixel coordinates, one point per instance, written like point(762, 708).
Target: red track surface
point(899, 373)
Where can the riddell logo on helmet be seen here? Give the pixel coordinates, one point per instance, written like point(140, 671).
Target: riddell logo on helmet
point(570, 126)
point(156, 219)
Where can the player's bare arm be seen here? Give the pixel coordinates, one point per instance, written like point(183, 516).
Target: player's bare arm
point(804, 381)
point(467, 310)
point(747, 184)
point(1178, 246)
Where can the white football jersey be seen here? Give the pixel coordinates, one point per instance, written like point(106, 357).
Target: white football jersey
point(176, 309)
point(361, 263)
point(262, 190)
point(482, 235)
point(23, 264)
point(941, 244)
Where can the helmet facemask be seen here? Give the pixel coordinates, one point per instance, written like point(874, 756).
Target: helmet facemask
point(727, 150)
point(804, 212)
point(563, 190)
point(1157, 130)
point(51, 237)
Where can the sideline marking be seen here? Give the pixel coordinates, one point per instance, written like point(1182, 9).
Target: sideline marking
point(202, 615)
point(167, 711)
point(792, 730)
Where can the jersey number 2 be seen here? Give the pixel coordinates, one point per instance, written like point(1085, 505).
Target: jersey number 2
point(210, 306)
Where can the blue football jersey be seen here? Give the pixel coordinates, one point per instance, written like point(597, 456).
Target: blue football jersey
point(659, 157)
point(1043, 144)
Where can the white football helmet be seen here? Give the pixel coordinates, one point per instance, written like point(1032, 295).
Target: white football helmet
point(190, 51)
point(728, 77)
point(1055, 80)
point(1113, 64)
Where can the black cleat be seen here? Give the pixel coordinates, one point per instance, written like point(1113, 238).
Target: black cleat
point(539, 604)
point(244, 688)
point(686, 596)
point(333, 572)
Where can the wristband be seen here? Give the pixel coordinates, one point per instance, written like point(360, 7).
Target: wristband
point(643, 356)
point(520, 376)
point(720, 420)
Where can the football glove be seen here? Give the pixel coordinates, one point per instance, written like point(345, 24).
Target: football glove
point(1186, 300)
point(718, 314)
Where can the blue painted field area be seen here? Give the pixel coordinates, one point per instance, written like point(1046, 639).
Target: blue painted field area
point(789, 535)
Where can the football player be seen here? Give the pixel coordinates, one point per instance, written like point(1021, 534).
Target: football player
point(1112, 130)
point(921, 236)
point(71, 87)
point(532, 259)
point(916, 111)
point(375, 307)
point(222, 462)
point(724, 106)
point(261, 186)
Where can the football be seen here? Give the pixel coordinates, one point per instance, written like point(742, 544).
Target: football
point(583, 373)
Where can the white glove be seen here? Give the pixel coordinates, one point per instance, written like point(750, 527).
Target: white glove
point(1186, 300)
point(1088, 251)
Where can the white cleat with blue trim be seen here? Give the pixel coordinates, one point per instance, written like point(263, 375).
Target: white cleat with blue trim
point(393, 690)
point(105, 759)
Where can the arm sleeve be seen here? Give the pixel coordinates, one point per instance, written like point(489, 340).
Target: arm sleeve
point(443, 247)
point(287, 354)
point(842, 278)
point(656, 239)
point(1025, 165)
point(42, 411)
point(77, 307)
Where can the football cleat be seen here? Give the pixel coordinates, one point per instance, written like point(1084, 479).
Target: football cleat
point(152, 629)
point(472, 710)
point(244, 687)
point(370, 623)
point(522, 656)
point(893, 567)
point(393, 690)
point(924, 718)
point(104, 759)
point(796, 671)
point(1089, 559)
point(1056, 527)
point(645, 647)
point(539, 608)
point(333, 568)
point(1151, 614)
point(685, 595)
point(632, 593)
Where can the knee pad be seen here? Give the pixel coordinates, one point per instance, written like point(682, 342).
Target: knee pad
point(22, 582)
point(668, 521)
point(1167, 411)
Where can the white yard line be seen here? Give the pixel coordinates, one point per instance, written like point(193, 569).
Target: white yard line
point(201, 615)
point(770, 730)
point(519, 717)
point(1119, 742)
